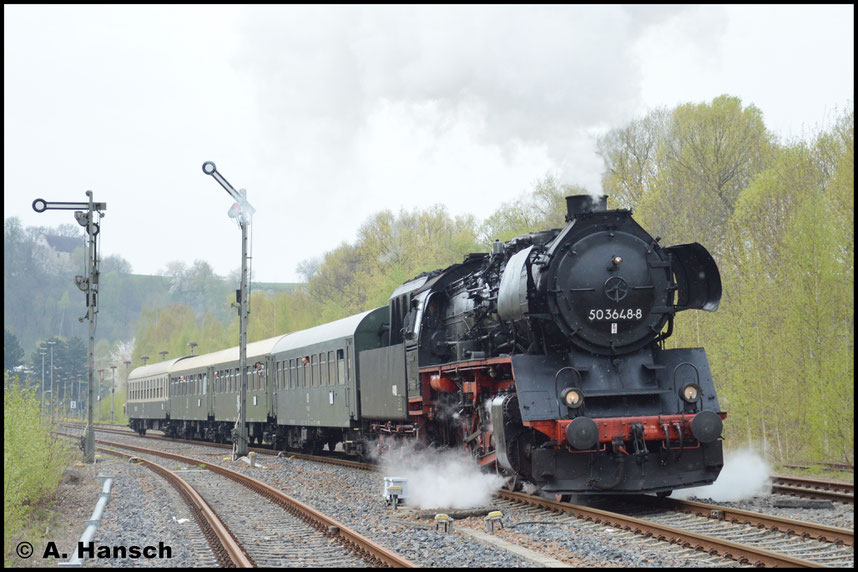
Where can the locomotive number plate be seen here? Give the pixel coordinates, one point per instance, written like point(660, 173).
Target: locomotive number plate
point(614, 314)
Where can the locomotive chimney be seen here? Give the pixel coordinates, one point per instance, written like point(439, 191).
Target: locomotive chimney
point(580, 204)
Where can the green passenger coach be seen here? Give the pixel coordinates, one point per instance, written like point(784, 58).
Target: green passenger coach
point(316, 381)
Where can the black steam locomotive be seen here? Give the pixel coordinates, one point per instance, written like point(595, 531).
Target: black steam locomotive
point(547, 350)
point(542, 358)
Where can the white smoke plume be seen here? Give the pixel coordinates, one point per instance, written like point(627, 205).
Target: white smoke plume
point(447, 478)
point(745, 475)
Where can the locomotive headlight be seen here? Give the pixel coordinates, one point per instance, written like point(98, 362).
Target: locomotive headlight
point(573, 398)
point(690, 393)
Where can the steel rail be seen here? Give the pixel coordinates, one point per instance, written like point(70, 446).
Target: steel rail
point(840, 486)
point(361, 543)
point(733, 550)
point(837, 491)
point(800, 528)
point(813, 493)
point(227, 550)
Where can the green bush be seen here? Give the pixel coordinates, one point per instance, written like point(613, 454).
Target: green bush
point(33, 460)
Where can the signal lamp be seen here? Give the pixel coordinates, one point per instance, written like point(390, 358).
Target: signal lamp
point(690, 393)
point(573, 398)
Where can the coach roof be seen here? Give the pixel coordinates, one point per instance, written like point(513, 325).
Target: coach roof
point(255, 350)
point(157, 368)
point(344, 328)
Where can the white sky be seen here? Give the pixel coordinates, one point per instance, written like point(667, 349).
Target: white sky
point(329, 114)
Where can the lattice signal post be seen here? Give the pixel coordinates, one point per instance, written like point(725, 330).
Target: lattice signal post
point(88, 215)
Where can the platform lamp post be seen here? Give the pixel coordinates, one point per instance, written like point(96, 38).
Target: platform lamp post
point(242, 211)
point(58, 402)
point(112, 388)
point(43, 354)
point(87, 394)
point(79, 412)
point(127, 364)
point(88, 215)
point(100, 385)
point(192, 346)
point(163, 354)
point(144, 358)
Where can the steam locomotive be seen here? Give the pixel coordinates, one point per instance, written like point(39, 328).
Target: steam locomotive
point(543, 359)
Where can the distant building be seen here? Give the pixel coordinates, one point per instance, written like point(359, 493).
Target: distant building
point(55, 252)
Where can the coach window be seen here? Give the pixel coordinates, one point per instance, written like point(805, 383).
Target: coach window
point(341, 367)
point(348, 365)
point(323, 369)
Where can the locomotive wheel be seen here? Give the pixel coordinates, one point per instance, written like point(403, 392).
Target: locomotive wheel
point(513, 484)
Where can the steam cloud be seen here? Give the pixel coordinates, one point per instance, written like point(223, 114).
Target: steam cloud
point(745, 475)
point(447, 478)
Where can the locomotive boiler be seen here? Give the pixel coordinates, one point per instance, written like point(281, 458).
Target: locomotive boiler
point(544, 358)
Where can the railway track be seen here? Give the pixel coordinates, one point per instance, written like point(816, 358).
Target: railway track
point(814, 488)
point(268, 536)
point(747, 537)
point(225, 547)
point(781, 484)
